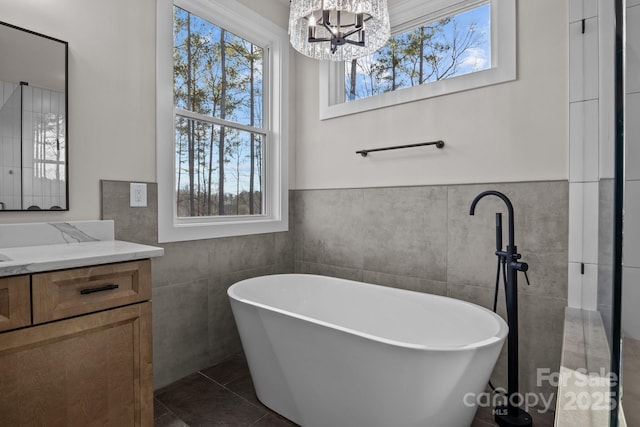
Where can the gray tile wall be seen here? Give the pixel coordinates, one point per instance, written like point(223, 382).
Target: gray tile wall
point(419, 238)
point(423, 238)
point(193, 327)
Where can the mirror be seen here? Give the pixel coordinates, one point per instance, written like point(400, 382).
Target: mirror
point(33, 121)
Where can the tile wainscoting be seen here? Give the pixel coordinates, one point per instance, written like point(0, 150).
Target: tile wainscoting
point(420, 238)
point(423, 238)
point(192, 322)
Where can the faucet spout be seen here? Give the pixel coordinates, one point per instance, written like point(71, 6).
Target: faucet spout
point(506, 201)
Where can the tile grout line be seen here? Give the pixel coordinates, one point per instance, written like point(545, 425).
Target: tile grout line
point(261, 418)
point(267, 411)
point(170, 411)
point(234, 393)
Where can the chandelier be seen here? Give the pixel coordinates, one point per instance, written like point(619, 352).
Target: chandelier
point(338, 30)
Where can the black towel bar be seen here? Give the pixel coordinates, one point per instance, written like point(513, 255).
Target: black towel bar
point(363, 153)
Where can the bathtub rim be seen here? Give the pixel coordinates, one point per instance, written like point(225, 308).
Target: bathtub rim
point(499, 337)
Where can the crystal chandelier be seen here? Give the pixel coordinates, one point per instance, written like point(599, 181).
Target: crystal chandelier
point(338, 30)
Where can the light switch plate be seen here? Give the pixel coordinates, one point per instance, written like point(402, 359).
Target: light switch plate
point(138, 195)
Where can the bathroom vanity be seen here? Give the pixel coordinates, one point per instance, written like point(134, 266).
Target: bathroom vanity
point(75, 330)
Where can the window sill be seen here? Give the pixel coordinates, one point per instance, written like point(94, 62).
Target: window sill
point(211, 230)
point(442, 87)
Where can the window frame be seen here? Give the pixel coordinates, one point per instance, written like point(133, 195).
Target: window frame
point(403, 18)
point(233, 17)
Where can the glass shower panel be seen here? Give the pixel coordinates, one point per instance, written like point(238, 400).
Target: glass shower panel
point(10, 151)
point(44, 146)
point(630, 322)
point(32, 148)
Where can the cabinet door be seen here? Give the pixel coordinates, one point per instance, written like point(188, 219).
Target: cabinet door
point(93, 370)
point(15, 302)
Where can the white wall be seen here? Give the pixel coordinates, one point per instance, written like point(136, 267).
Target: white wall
point(590, 143)
point(274, 10)
point(515, 131)
point(111, 92)
point(111, 89)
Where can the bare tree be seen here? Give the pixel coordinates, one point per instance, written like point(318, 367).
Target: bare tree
point(216, 74)
point(427, 53)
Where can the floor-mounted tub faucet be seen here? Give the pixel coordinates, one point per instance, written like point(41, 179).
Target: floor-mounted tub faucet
point(509, 415)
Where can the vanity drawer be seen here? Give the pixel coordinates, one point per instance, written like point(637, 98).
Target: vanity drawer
point(15, 302)
point(66, 293)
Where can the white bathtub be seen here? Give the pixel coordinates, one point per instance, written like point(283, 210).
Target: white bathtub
point(328, 352)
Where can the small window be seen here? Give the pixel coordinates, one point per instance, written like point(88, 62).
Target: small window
point(222, 121)
point(453, 46)
point(449, 47)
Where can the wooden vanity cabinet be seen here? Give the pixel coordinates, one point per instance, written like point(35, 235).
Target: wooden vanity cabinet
point(15, 302)
point(83, 362)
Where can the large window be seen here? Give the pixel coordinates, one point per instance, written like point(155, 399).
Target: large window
point(219, 134)
point(225, 147)
point(436, 48)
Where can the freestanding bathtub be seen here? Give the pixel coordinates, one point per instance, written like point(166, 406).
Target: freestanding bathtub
point(328, 352)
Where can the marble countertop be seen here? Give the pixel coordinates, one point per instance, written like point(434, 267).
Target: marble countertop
point(37, 247)
point(32, 259)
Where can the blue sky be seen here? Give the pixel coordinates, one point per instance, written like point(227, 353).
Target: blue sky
point(475, 58)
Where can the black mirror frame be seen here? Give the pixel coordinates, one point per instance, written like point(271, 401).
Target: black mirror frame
point(66, 117)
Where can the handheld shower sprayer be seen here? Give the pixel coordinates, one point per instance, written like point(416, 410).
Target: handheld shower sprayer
point(498, 231)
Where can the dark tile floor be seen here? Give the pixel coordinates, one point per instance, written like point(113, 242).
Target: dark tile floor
point(223, 395)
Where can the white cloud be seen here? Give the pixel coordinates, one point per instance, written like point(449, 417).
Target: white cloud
point(476, 59)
